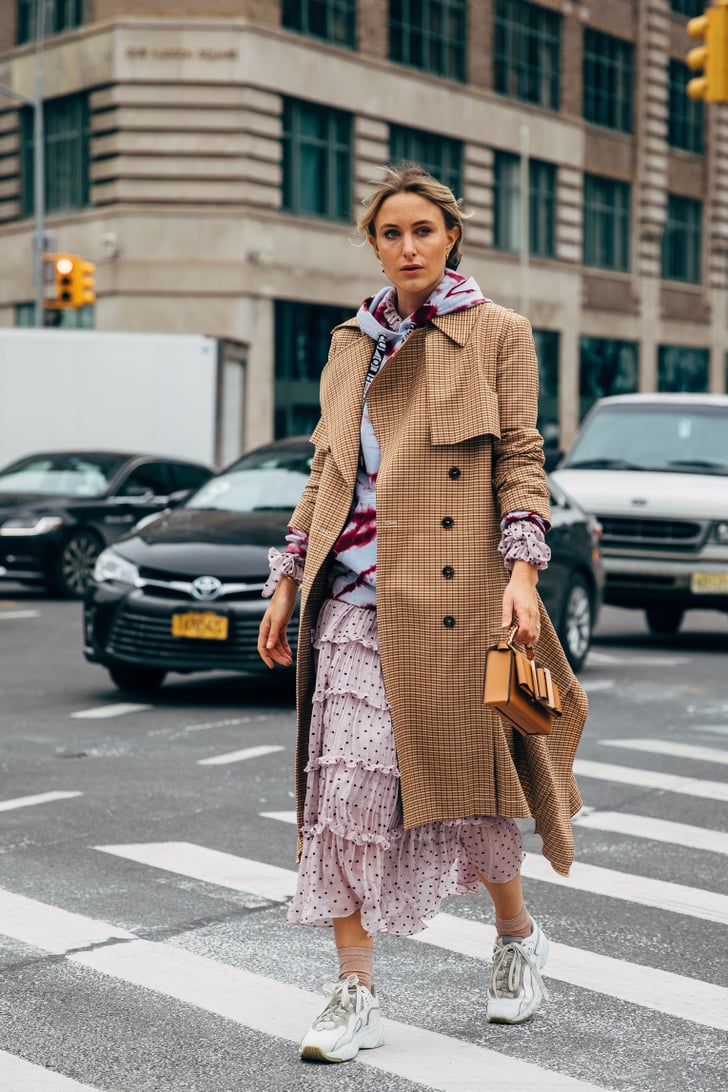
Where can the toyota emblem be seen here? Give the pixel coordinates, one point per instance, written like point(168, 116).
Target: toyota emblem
point(206, 587)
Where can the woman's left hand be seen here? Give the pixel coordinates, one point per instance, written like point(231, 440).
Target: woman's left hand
point(520, 603)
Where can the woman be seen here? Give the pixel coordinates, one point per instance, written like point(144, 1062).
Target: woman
point(419, 536)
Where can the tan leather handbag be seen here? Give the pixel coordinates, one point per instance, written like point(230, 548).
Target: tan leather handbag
point(519, 688)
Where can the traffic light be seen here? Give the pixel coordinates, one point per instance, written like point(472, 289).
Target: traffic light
point(712, 57)
point(74, 280)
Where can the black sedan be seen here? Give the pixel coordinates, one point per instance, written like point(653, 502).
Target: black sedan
point(59, 509)
point(182, 592)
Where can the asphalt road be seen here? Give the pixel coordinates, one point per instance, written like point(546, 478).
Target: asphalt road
point(146, 858)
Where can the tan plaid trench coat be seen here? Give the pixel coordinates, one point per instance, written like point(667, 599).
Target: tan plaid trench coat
point(454, 412)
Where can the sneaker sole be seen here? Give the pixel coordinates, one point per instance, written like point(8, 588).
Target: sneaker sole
point(349, 1051)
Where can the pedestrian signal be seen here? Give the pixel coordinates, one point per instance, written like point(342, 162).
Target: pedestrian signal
point(712, 56)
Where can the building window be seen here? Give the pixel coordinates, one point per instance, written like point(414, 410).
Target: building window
point(66, 140)
point(440, 155)
point(685, 122)
point(60, 15)
point(541, 207)
point(429, 34)
point(606, 367)
point(681, 239)
point(333, 20)
point(608, 80)
point(302, 338)
point(689, 8)
point(82, 318)
point(316, 160)
point(547, 351)
point(681, 369)
point(606, 222)
point(526, 52)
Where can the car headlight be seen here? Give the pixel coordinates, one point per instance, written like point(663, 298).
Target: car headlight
point(111, 566)
point(720, 532)
point(31, 525)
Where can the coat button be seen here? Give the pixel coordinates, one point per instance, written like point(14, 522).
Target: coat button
point(454, 472)
point(448, 572)
point(447, 521)
point(448, 621)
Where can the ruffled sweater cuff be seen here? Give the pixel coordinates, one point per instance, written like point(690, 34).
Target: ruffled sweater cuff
point(523, 540)
point(289, 563)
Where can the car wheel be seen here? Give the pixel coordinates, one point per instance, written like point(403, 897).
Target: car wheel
point(575, 630)
point(664, 620)
point(75, 566)
point(143, 680)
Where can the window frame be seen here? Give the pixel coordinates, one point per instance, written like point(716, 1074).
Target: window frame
point(608, 81)
point(685, 116)
point(66, 140)
point(679, 232)
point(543, 182)
point(619, 364)
point(333, 153)
point(61, 15)
point(520, 30)
point(441, 155)
point(419, 42)
point(339, 17)
point(607, 240)
point(682, 366)
point(301, 340)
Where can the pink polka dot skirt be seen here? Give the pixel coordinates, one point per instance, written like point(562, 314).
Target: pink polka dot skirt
point(356, 853)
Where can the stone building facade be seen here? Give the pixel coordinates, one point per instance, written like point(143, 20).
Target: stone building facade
point(207, 157)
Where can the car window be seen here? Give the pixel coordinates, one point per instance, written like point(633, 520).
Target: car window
point(261, 481)
point(143, 480)
point(692, 439)
point(60, 473)
point(187, 476)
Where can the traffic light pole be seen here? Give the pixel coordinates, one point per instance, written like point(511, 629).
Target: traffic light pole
point(38, 158)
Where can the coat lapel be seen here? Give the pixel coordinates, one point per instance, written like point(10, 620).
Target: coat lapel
point(342, 388)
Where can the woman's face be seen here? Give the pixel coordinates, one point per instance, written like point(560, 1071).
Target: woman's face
point(412, 243)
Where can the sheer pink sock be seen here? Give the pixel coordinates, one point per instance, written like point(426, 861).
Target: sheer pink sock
point(358, 961)
point(519, 926)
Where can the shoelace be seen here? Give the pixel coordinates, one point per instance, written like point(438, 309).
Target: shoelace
point(507, 978)
point(342, 1003)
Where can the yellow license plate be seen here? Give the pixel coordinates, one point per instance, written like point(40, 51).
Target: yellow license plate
point(203, 624)
point(709, 583)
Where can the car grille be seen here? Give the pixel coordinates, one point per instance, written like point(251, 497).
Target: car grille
point(141, 636)
point(638, 533)
point(159, 585)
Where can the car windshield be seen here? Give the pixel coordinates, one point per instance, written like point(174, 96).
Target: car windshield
point(262, 481)
point(675, 438)
point(62, 474)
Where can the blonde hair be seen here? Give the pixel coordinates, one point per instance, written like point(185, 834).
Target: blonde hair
point(409, 177)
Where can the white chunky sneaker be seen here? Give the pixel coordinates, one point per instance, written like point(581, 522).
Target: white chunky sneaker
point(516, 988)
point(350, 1022)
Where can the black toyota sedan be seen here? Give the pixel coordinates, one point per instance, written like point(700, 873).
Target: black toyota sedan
point(182, 592)
point(59, 509)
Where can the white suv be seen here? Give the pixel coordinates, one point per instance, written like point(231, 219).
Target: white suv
point(653, 469)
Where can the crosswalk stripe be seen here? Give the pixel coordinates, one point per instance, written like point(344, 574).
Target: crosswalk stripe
point(17, 1075)
point(39, 798)
point(652, 779)
point(281, 1011)
point(668, 747)
point(602, 659)
point(240, 756)
point(51, 929)
point(661, 991)
point(677, 899)
point(117, 709)
point(657, 830)
point(687, 998)
point(211, 866)
point(17, 615)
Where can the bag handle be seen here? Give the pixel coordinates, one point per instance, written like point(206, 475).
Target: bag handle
point(511, 642)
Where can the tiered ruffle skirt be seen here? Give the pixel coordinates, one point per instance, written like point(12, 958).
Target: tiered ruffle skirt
point(356, 852)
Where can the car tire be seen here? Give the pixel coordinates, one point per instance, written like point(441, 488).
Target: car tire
point(75, 565)
point(665, 621)
point(140, 680)
point(577, 620)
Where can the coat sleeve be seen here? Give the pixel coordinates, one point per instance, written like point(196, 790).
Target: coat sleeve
point(303, 514)
point(518, 475)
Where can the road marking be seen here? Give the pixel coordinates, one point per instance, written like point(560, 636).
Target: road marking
point(240, 756)
point(39, 798)
point(276, 1009)
point(118, 709)
point(668, 747)
point(281, 816)
point(227, 723)
point(678, 899)
point(601, 659)
point(714, 729)
point(593, 685)
point(17, 1075)
point(51, 929)
point(652, 779)
point(686, 998)
point(661, 991)
point(16, 615)
point(657, 830)
point(211, 866)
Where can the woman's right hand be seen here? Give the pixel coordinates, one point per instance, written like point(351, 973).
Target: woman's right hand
point(273, 646)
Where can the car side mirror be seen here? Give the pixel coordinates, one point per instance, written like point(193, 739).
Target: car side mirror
point(179, 497)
